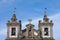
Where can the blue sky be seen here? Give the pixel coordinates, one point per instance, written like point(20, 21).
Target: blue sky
point(26, 9)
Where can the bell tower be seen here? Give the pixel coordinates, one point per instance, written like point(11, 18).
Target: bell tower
point(13, 28)
point(46, 28)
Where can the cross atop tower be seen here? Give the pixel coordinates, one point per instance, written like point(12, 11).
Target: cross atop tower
point(14, 15)
point(14, 10)
point(45, 16)
point(30, 20)
point(45, 12)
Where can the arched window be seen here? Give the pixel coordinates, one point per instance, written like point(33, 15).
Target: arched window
point(13, 31)
point(46, 31)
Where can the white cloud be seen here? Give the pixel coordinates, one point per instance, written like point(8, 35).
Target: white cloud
point(56, 27)
point(3, 31)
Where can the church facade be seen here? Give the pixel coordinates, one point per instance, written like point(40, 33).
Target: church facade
point(44, 32)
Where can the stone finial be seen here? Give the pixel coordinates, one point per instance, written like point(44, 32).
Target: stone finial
point(14, 17)
point(19, 21)
point(8, 21)
point(40, 21)
point(51, 21)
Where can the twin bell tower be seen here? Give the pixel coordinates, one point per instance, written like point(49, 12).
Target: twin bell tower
point(44, 32)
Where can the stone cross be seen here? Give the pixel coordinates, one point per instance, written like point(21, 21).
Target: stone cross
point(30, 20)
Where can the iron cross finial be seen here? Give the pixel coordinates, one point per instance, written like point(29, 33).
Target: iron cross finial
point(30, 20)
point(14, 10)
